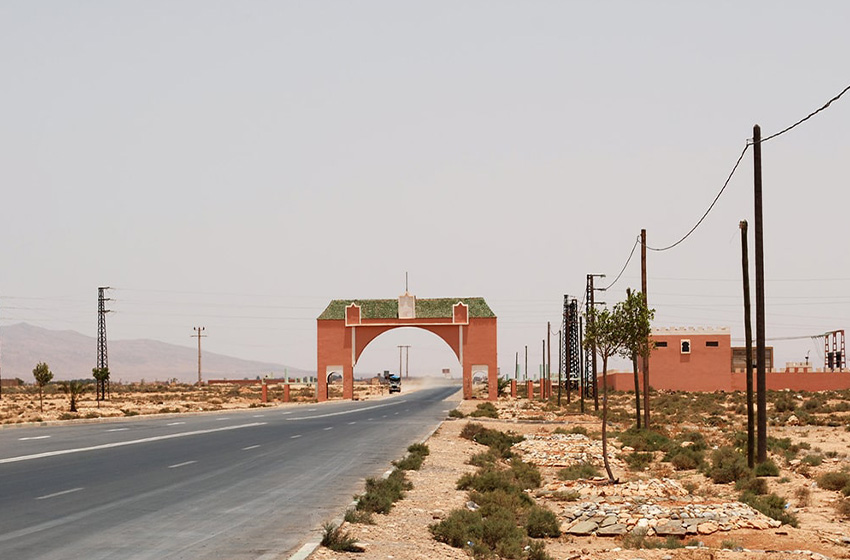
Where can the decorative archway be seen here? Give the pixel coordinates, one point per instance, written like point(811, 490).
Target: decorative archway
point(346, 327)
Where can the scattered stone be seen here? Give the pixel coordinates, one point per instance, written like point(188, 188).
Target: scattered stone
point(707, 528)
point(674, 528)
point(472, 506)
point(612, 530)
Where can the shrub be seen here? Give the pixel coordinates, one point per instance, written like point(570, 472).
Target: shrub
point(501, 499)
point(727, 465)
point(685, 458)
point(362, 517)
point(499, 442)
point(843, 508)
point(338, 540)
point(757, 486)
point(382, 493)
point(526, 475)
point(484, 459)
point(803, 495)
point(502, 535)
point(458, 528)
point(639, 461)
point(487, 480)
point(485, 410)
point(638, 539)
point(414, 459)
point(130, 412)
point(767, 468)
point(68, 416)
point(784, 403)
point(537, 551)
point(574, 430)
point(771, 505)
point(578, 471)
point(813, 460)
point(566, 495)
point(644, 440)
point(834, 480)
point(541, 522)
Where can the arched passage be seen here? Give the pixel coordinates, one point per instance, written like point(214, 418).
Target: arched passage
point(346, 327)
point(428, 354)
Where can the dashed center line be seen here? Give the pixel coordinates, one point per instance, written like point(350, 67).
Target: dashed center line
point(351, 423)
point(258, 415)
point(175, 423)
point(290, 412)
point(223, 418)
point(296, 436)
point(250, 447)
point(329, 428)
point(32, 437)
point(178, 465)
point(370, 419)
point(118, 430)
point(312, 409)
point(62, 493)
point(395, 413)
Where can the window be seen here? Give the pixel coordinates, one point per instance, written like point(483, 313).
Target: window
point(712, 343)
point(686, 346)
point(661, 344)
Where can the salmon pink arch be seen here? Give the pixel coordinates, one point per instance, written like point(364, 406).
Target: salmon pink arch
point(346, 327)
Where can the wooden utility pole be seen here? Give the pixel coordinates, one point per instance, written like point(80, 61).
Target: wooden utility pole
point(516, 367)
point(748, 336)
point(646, 304)
point(548, 359)
point(525, 377)
point(560, 365)
point(761, 389)
point(198, 334)
point(543, 395)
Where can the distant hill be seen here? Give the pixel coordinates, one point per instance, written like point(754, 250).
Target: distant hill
point(72, 355)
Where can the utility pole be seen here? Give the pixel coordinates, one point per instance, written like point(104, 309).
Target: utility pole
point(748, 336)
point(525, 377)
point(407, 354)
point(560, 365)
point(516, 367)
point(102, 357)
point(761, 388)
point(548, 359)
point(646, 304)
point(581, 365)
point(199, 335)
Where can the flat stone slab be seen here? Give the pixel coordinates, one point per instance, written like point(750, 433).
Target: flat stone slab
point(674, 528)
point(612, 530)
point(583, 528)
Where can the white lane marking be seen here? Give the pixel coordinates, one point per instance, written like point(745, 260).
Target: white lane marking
point(345, 411)
point(32, 437)
point(259, 415)
point(384, 416)
point(290, 412)
point(329, 428)
point(178, 465)
point(223, 418)
point(395, 413)
point(129, 442)
point(297, 436)
point(370, 419)
point(250, 447)
point(175, 423)
point(312, 409)
point(352, 423)
point(118, 430)
point(62, 493)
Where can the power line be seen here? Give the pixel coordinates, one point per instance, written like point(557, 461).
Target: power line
point(628, 260)
point(710, 208)
point(807, 117)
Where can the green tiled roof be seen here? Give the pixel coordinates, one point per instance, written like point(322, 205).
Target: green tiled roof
point(435, 308)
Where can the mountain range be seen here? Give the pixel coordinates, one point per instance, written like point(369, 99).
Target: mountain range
point(72, 355)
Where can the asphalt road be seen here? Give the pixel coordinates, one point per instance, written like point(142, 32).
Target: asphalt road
point(242, 484)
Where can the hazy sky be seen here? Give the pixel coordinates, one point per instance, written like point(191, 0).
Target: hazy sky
point(237, 165)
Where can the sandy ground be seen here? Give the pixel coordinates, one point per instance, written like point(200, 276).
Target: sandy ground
point(403, 534)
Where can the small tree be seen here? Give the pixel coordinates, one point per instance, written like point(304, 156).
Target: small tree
point(73, 389)
point(42, 375)
point(101, 375)
point(636, 319)
point(604, 332)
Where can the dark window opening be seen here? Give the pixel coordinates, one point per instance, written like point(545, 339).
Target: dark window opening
point(712, 343)
point(661, 344)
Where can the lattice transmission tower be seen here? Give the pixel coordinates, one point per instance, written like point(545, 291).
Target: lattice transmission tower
point(102, 357)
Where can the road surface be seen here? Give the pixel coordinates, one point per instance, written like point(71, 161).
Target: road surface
point(241, 484)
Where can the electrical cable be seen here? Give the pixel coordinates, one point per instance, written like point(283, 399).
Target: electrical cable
point(710, 208)
point(628, 260)
point(807, 117)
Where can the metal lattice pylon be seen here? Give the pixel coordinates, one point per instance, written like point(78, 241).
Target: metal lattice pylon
point(102, 357)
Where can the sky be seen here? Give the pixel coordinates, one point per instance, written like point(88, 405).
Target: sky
point(237, 165)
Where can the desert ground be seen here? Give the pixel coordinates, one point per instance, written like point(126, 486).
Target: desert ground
point(648, 514)
point(809, 440)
